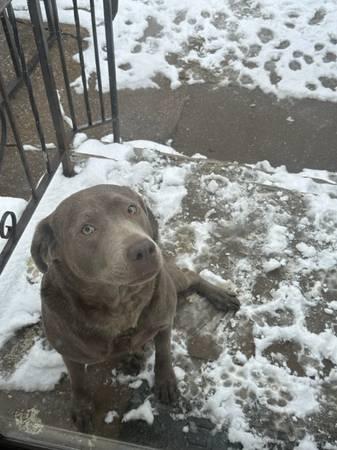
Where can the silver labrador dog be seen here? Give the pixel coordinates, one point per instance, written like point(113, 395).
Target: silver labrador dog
point(107, 288)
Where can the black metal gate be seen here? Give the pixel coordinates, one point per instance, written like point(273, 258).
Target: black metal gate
point(20, 59)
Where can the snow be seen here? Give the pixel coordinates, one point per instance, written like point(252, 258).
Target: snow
point(17, 206)
point(257, 220)
point(110, 416)
point(179, 373)
point(307, 443)
point(227, 285)
point(39, 370)
point(143, 412)
point(136, 384)
point(285, 47)
point(306, 250)
point(272, 264)
point(276, 240)
point(79, 138)
point(333, 305)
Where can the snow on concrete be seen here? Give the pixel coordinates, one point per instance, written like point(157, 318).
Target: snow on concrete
point(266, 234)
point(39, 370)
point(285, 47)
point(143, 412)
point(307, 443)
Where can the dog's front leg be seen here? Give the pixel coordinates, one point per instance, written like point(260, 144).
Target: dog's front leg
point(186, 280)
point(82, 411)
point(165, 380)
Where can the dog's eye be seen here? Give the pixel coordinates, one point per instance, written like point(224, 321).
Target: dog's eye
point(132, 210)
point(88, 229)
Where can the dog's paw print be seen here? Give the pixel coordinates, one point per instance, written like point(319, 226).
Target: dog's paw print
point(329, 57)
point(265, 35)
point(317, 17)
point(295, 65)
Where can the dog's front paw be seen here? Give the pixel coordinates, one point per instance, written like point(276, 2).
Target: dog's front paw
point(224, 301)
point(83, 417)
point(220, 299)
point(166, 388)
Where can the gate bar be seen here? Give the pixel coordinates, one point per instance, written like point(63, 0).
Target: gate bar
point(80, 52)
point(29, 87)
point(50, 86)
point(59, 40)
point(110, 10)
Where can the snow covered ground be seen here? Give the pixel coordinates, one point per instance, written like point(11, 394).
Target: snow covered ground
point(285, 47)
point(266, 233)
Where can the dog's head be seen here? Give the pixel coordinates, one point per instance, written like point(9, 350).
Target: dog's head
point(102, 234)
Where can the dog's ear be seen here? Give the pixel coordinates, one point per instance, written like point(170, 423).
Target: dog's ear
point(153, 221)
point(42, 240)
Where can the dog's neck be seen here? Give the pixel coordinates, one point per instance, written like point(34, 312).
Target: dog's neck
point(88, 291)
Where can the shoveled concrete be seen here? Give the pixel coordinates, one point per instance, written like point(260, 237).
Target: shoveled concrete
point(234, 124)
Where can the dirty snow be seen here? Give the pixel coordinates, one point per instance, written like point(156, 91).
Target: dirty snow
point(268, 235)
point(285, 47)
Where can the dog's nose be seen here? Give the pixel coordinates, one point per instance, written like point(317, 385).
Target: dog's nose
point(141, 251)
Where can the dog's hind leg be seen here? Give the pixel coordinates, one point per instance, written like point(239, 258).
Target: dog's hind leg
point(186, 280)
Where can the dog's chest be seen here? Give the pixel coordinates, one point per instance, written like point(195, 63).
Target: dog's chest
point(130, 307)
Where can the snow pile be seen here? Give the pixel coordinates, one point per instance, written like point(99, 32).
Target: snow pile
point(268, 235)
point(285, 47)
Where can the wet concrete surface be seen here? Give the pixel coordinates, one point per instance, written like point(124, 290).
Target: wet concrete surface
point(233, 124)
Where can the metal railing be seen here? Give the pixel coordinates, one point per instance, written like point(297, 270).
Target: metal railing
point(46, 35)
